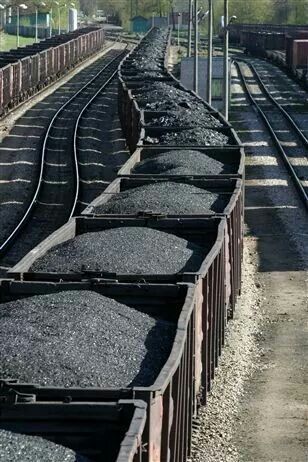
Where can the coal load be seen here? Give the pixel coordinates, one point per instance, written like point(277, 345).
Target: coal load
point(162, 96)
point(182, 162)
point(146, 63)
point(151, 94)
point(164, 197)
point(185, 118)
point(149, 56)
point(16, 447)
point(81, 339)
point(129, 250)
point(193, 137)
point(146, 75)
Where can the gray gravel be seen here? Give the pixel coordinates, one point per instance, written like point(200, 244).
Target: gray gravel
point(164, 197)
point(134, 250)
point(182, 162)
point(15, 447)
point(197, 136)
point(219, 420)
point(81, 339)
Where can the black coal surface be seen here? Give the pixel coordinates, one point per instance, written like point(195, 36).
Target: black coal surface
point(182, 162)
point(83, 339)
point(185, 118)
point(157, 91)
point(152, 47)
point(193, 137)
point(145, 75)
point(134, 250)
point(164, 197)
point(146, 63)
point(161, 96)
point(15, 447)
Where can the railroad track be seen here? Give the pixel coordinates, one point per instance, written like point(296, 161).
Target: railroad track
point(288, 138)
point(100, 143)
point(281, 87)
point(57, 190)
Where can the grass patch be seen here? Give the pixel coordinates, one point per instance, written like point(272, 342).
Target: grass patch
point(9, 42)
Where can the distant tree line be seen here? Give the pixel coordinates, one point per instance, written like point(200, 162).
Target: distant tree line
point(253, 11)
point(88, 7)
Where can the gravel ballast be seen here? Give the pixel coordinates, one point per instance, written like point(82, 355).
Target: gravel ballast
point(182, 162)
point(16, 447)
point(165, 197)
point(134, 250)
point(219, 420)
point(81, 339)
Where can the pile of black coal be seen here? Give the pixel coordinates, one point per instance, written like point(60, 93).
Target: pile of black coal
point(182, 162)
point(81, 339)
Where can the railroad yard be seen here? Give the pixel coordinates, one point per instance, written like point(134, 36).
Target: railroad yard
point(153, 254)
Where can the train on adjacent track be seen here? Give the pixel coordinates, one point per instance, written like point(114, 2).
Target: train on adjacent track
point(28, 69)
point(286, 45)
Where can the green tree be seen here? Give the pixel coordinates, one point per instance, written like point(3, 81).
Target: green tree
point(252, 11)
point(88, 7)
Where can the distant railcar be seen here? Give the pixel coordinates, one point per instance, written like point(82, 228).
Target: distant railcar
point(286, 45)
point(28, 69)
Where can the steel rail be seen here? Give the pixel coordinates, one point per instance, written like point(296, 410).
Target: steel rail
point(279, 106)
point(9, 240)
point(78, 123)
point(285, 158)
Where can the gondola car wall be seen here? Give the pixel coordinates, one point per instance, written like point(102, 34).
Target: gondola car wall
point(236, 29)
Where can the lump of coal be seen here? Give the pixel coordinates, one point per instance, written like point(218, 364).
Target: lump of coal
point(81, 339)
point(164, 197)
point(16, 447)
point(134, 250)
point(182, 162)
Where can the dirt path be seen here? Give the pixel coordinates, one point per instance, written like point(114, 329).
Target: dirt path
point(258, 410)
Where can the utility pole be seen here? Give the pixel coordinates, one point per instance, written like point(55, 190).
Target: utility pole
point(196, 46)
point(210, 54)
point(189, 29)
point(226, 60)
point(17, 27)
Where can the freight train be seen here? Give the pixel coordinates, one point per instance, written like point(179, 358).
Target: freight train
point(26, 70)
point(285, 45)
point(173, 259)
